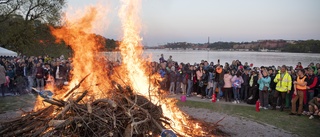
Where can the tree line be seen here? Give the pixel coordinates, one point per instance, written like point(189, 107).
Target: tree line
point(300, 46)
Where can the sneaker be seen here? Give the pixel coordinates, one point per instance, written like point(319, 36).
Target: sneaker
point(260, 107)
point(277, 106)
point(311, 117)
point(218, 100)
point(234, 102)
point(265, 108)
point(304, 113)
point(250, 97)
point(199, 96)
point(238, 101)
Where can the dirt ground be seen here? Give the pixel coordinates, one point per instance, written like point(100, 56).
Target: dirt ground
point(234, 125)
point(237, 126)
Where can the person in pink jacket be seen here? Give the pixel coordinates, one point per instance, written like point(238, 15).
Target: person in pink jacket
point(227, 88)
point(236, 84)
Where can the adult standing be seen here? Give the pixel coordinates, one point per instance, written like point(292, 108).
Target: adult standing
point(2, 79)
point(264, 88)
point(227, 86)
point(300, 87)
point(284, 84)
point(245, 85)
point(191, 75)
point(312, 81)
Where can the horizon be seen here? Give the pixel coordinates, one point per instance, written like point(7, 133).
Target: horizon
point(166, 21)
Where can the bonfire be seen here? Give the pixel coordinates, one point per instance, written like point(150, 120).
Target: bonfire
point(128, 102)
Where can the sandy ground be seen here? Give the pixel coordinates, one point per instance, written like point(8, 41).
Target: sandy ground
point(237, 126)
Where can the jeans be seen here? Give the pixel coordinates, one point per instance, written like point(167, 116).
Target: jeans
point(172, 85)
point(310, 95)
point(190, 85)
point(40, 83)
point(236, 93)
point(183, 88)
point(31, 82)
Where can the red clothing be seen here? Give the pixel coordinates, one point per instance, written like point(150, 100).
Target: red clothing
point(299, 67)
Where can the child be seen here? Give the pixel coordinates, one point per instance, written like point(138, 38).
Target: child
point(314, 105)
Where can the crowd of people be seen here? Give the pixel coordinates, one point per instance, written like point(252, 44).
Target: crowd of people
point(275, 87)
point(18, 75)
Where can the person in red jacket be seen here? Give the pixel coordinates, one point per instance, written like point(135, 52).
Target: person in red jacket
point(312, 81)
point(299, 66)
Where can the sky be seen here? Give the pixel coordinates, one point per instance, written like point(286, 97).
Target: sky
point(166, 21)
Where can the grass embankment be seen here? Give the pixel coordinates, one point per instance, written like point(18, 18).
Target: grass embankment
point(298, 125)
point(14, 103)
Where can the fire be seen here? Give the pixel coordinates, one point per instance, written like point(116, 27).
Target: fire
point(131, 51)
point(133, 69)
point(78, 35)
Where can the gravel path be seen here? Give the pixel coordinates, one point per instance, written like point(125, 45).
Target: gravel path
point(237, 126)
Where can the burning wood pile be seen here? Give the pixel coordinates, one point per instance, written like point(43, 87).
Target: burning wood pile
point(124, 114)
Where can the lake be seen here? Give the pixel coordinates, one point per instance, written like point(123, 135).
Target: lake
point(257, 58)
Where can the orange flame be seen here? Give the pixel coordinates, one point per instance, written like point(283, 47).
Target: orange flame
point(131, 52)
point(85, 45)
point(78, 35)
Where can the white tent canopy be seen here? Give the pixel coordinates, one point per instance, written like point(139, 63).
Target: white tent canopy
point(6, 52)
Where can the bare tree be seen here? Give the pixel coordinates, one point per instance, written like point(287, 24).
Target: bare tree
point(45, 10)
point(48, 11)
point(8, 7)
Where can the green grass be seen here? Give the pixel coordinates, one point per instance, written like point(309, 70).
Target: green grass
point(14, 103)
point(298, 125)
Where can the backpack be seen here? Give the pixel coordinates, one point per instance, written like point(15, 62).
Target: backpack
point(185, 78)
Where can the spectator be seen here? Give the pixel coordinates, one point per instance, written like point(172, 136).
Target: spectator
point(284, 83)
point(40, 74)
point(300, 87)
point(314, 106)
point(236, 84)
point(169, 60)
point(161, 59)
point(191, 75)
point(264, 88)
point(312, 81)
point(253, 83)
point(227, 86)
point(2, 80)
point(172, 75)
point(245, 85)
point(299, 66)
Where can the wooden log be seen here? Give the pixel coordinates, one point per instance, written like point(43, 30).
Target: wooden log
point(64, 110)
point(53, 102)
point(105, 100)
point(55, 123)
point(76, 87)
point(82, 96)
point(23, 130)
